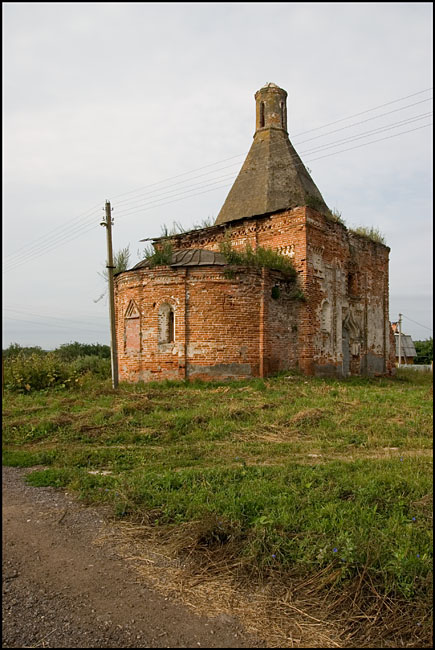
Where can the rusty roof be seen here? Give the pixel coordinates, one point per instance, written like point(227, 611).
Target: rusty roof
point(191, 257)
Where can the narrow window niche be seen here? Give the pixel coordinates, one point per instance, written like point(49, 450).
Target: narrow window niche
point(283, 120)
point(261, 115)
point(326, 317)
point(166, 323)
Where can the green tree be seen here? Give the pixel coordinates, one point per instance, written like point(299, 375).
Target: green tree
point(74, 350)
point(424, 351)
point(16, 349)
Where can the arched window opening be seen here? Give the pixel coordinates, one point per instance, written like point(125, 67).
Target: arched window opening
point(261, 115)
point(166, 324)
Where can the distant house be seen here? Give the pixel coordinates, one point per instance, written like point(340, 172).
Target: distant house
point(408, 351)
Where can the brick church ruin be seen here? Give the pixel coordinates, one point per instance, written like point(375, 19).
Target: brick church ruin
point(198, 316)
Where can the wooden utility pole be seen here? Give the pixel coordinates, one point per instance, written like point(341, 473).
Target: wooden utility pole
point(109, 266)
point(400, 339)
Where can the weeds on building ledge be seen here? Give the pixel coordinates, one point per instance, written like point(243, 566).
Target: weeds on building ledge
point(369, 233)
point(260, 258)
point(158, 256)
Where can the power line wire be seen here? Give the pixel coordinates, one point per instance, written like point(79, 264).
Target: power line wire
point(152, 192)
point(56, 239)
point(293, 136)
point(395, 125)
point(128, 200)
point(46, 250)
point(127, 211)
point(375, 117)
point(62, 228)
point(414, 321)
point(80, 229)
point(154, 204)
point(186, 188)
point(363, 112)
point(52, 318)
point(365, 144)
point(48, 324)
point(53, 241)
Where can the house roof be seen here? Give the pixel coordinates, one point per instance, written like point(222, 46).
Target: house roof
point(407, 345)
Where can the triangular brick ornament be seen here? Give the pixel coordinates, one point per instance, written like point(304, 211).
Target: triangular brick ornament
point(132, 310)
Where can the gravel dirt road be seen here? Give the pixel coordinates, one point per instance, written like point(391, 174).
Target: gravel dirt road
point(62, 589)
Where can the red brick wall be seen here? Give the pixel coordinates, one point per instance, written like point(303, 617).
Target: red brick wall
point(233, 327)
point(225, 327)
point(348, 271)
point(282, 316)
point(351, 272)
point(221, 326)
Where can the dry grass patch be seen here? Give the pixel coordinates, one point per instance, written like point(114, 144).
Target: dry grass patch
point(309, 416)
point(181, 565)
point(287, 611)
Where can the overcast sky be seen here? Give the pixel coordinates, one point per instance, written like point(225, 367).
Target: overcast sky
point(151, 106)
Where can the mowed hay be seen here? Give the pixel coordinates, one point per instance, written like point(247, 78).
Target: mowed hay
point(308, 416)
point(284, 610)
point(209, 583)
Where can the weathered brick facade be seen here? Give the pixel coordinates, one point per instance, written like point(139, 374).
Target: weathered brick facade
point(223, 326)
point(202, 321)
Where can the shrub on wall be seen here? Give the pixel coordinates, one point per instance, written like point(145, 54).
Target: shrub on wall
point(160, 256)
point(260, 258)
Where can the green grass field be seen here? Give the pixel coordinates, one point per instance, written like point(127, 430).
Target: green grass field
point(286, 477)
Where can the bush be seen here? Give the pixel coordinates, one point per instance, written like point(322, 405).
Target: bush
point(24, 373)
point(93, 364)
point(160, 256)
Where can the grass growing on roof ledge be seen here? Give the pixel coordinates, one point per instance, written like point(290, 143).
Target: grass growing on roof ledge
point(261, 257)
point(373, 234)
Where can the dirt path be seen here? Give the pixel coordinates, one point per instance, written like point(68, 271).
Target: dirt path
point(62, 590)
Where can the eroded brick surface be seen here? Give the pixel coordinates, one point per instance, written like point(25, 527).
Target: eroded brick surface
point(253, 322)
point(233, 325)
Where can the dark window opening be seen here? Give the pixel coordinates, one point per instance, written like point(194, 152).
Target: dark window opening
point(352, 284)
point(171, 327)
point(261, 114)
point(275, 292)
